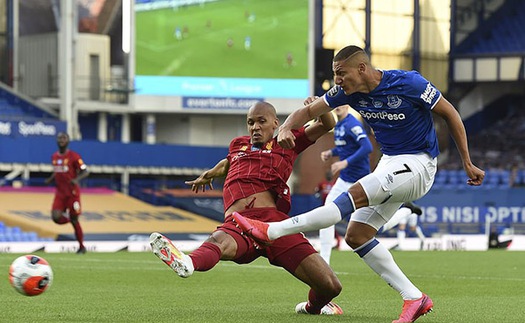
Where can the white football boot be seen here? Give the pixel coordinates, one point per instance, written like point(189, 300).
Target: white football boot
point(329, 309)
point(163, 248)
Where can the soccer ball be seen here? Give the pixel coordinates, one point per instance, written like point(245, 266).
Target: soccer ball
point(30, 275)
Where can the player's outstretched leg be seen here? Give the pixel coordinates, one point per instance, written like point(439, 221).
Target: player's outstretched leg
point(329, 309)
point(163, 248)
point(256, 230)
point(412, 309)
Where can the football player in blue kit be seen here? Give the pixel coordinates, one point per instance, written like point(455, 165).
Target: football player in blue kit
point(352, 146)
point(398, 107)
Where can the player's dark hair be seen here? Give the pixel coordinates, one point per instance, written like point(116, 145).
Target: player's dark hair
point(63, 133)
point(347, 52)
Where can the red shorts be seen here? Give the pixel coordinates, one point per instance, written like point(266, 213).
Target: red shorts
point(71, 203)
point(287, 252)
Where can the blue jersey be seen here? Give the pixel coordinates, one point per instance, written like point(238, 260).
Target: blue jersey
point(398, 110)
point(352, 144)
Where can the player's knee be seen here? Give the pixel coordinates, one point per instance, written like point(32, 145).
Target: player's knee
point(332, 286)
point(351, 240)
point(337, 287)
point(356, 239)
point(225, 242)
point(55, 216)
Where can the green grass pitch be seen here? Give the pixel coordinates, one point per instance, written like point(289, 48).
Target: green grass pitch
point(137, 287)
point(279, 27)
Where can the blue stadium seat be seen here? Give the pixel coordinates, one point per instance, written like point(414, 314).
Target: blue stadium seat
point(440, 179)
point(455, 179)
point(504, 179)
point(520, 179)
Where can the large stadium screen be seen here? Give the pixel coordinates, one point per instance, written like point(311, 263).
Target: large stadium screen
point(244, 49)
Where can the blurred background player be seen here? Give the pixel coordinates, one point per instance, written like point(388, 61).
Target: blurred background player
point(321, 192)
point(68, 170)
point(352, 146)
point(323, 188)
point(407, 214)
point(177, 33)
point(247, 43)
point(290, 62)
point(256, 171)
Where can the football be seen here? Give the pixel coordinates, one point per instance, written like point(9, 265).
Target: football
point(30, 275)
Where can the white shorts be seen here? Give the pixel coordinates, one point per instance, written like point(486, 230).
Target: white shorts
point(339, 187)
point(402, 216)
point(411, 220)
point(396, 179)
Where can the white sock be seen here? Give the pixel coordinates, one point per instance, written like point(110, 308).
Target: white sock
point(420, 234)
point(401, 235)
point(326, 237)
point(315, 219)
point(382, 262)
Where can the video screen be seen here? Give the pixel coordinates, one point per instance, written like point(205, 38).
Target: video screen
point(222, 48)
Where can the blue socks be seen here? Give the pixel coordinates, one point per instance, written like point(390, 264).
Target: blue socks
point(345, 204)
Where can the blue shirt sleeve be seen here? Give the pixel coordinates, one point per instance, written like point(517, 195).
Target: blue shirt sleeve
point(422, 91)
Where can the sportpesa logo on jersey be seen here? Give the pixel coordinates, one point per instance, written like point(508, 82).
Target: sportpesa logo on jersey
point(383, 115)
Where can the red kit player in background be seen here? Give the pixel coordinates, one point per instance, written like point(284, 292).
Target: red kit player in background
point(68, 170)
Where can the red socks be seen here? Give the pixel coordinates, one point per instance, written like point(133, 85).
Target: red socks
point(316, 302)
point(79, 234)
point(206, 256)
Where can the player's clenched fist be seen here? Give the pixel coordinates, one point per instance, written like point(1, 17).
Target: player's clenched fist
point(286, 138)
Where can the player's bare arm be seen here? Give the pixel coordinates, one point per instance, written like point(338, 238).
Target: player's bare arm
point(297, 119)
point(320, 127)
point(326, 155)
point(206, 178)
point(338, 166)
point(83, 173)
point(50, 178)
point(310, 99)
point(457, 130)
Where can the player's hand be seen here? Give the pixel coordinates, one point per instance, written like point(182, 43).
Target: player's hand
point(286, 138)
point(338, 166)
point(310, 99)
point(475, 174)
point(200, 183)
point(325, 155)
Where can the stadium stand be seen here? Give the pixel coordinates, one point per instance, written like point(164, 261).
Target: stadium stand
point(11, 234)
point(497, 140)
point(155, 173)
point(107, 215)
point(501, 33)
point(16, 106)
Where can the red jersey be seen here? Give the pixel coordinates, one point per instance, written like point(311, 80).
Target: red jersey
point(253, 170)
point(66, 167)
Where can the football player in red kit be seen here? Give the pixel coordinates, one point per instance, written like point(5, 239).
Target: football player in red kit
point(68, 171)
point(256, 171)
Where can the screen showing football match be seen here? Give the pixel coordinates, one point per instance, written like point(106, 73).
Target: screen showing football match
point(222, 48)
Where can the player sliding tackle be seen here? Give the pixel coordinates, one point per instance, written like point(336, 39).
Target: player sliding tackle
point(256, 171)
point(398, 106)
